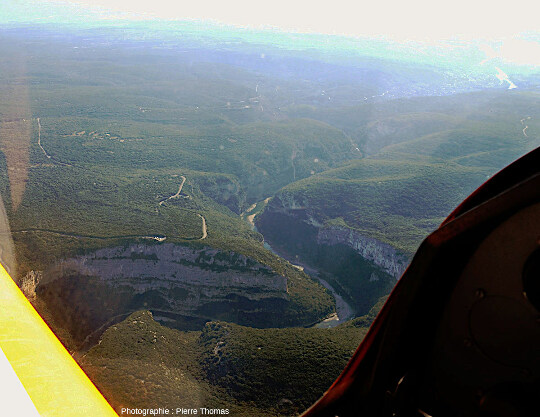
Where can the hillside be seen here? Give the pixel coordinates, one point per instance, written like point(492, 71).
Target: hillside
point(401, 193)
point(251, 372)
point(361, 222)
point(145, 169)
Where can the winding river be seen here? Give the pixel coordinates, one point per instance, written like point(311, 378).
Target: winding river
point(343, 312)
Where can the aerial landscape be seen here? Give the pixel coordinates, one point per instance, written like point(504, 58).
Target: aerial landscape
point(210, 216)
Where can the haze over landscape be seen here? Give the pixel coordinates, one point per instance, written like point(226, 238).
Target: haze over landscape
point(210, 213)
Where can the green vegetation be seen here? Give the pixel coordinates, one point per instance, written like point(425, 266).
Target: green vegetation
point(118, 151)
point(263, 372)
point(156, 367)
point(404, 191)
point(123, 115)
point(422, 168)
point(292, 367)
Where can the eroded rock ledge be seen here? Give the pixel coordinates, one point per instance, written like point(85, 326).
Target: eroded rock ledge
point(183, 286)
point(380, 253)
point(204, 273)
point(298, 214)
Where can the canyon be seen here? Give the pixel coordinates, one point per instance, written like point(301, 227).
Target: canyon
point(184, 287)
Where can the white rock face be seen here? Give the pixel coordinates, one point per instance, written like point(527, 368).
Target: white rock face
point(287, 201)
point(381, 254)
point(184, 278)
point(29, 283)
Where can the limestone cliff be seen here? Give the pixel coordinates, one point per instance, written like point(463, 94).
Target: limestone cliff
point(183, 286)
point(380, 253)
point(296, 209)
point(29, 282)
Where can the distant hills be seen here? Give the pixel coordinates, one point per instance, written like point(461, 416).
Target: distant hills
point(142, 148)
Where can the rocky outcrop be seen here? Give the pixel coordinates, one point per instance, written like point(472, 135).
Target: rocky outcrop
point(381, 254)
point(29, 282)
point(183, 286)
point(297, 210)
point(204, 273)
point(362, 269)
point(284, 202)
point(225, 191)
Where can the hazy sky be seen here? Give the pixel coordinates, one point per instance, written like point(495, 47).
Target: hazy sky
point(414, 19)
point(418, 20)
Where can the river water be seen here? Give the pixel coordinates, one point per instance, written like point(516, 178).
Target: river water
point(343, 312)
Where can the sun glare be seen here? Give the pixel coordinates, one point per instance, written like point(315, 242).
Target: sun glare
point(416, 19)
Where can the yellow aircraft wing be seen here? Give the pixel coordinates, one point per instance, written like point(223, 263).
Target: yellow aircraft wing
point(54, 382)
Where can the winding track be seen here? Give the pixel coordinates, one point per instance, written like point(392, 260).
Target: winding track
point(44, 151)
point(204, 234)
point(526, 126)
point(85, 236)
point(177, 195)
point(80, 236)
point(39, 140)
